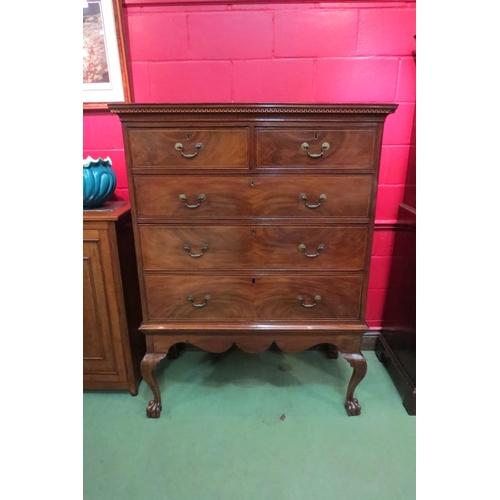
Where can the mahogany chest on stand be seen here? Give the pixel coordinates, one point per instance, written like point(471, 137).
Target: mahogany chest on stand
point(253, 224)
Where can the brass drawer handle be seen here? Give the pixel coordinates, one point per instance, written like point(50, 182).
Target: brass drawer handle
point(324, 147)
point(205, 300)
point(302, 248)
point(204, 248)
point(179, 147)
point(183, 198)
point(317, 299)
point(322, 198)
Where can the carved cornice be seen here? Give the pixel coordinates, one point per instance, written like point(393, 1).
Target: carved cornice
point(333, 109)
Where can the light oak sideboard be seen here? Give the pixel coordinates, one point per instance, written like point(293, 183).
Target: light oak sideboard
point(253, 224)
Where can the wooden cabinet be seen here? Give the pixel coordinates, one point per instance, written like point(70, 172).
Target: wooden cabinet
point(396, 345)
point(112, 344)
point(253, 225)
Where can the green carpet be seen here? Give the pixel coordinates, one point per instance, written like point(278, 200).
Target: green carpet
point(239, 426)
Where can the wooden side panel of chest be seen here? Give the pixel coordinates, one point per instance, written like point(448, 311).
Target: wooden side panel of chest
point(253, 225)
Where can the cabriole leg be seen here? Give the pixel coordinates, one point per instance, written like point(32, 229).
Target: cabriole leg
point(358, 363)
point(173, 353)
point(332, 352)
point(148, 364)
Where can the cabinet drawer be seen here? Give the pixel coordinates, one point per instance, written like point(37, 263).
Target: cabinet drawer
point(261, 298)
point(211, 247)
point(208, 197)
point(293, 298)
point(346, 148)
point(168, 297)
point(191, 248)
point(312, 196)
point(286, 247)
point(189, 148)
point(159, 196)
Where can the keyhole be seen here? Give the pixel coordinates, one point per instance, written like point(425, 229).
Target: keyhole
point(252, 183)
point(253, 280)
point(315, 137)
point(188, 136)
point(253, 232)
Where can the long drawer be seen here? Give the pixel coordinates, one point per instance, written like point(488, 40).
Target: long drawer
point(205, 298)
point(191, 248)
point(205, 197)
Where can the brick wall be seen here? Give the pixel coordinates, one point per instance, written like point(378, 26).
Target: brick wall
point(283, 52)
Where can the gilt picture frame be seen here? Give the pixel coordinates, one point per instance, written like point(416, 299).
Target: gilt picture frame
point(105, 63)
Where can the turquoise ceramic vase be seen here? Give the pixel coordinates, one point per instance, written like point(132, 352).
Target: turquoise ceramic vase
point(99, 182)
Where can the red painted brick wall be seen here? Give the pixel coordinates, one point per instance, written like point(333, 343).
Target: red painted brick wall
point(301, 52)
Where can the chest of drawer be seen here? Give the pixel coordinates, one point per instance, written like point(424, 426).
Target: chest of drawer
point(220, 197)
point(189, 148)
point(192, 248)
point(253, 224)
point(203, 298)
point(342, 147)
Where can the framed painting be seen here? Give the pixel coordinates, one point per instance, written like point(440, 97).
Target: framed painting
point(105, 66)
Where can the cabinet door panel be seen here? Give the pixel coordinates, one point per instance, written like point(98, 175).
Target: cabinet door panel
point(98, 350)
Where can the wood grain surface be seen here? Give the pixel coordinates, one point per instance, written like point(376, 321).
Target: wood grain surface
point(349, 147)
point(243, 197)
point(222, 148)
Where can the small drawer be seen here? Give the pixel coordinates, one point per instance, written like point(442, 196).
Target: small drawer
point(309, 298)
point(189, 148)
point(342, 147)
point(199, 298)
point(192, 197)
point(308, 196)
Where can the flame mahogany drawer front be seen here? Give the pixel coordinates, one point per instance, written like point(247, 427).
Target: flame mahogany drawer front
point(220, 197)
point(203, 148)
point(346, 147)
point(253, 224)
point(245, 298)
point(191, 248)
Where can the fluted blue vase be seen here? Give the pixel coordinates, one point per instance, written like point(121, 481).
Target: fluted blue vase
point(99, 182)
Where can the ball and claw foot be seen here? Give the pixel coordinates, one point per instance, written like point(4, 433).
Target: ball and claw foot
point(353, 407)
point(153, 410)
